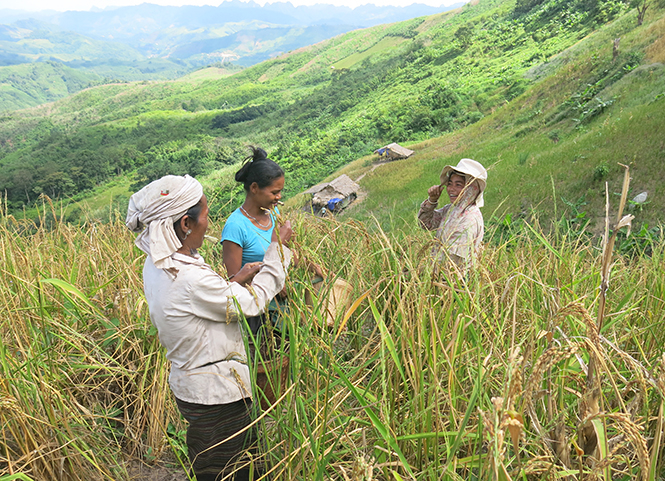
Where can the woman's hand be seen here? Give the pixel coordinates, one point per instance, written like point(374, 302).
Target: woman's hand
point(315, 269)
point(434, 193)
point(245, 275)
point(285, 233)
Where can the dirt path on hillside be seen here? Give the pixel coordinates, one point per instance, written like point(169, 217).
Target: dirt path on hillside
point(371, 170)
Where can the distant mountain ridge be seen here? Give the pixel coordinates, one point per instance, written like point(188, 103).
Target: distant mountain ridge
point(153, 42)
point(147, 17)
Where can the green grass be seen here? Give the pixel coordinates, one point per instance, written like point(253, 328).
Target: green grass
point(384, 44)
point(210, 73)
point(567, 168)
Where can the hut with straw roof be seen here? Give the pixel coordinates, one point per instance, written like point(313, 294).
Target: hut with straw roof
point(393, 151)
point(333, 196)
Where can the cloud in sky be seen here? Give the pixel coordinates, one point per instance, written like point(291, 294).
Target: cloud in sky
point(63, 5)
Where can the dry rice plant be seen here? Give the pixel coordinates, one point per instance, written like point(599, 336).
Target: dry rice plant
point(425, 376)
point(82, 378)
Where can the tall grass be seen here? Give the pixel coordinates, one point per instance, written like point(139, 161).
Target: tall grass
point(428, 376)
point(83, 381)
point(438, 373)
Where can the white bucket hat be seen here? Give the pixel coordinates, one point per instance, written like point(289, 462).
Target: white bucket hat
point(472, 170)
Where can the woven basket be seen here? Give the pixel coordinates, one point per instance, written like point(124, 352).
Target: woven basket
point(337, 301)
point(277, 370)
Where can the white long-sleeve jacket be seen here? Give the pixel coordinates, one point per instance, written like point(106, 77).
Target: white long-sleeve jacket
point(196, 315)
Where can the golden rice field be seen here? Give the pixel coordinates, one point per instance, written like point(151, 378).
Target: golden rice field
point(503, 375)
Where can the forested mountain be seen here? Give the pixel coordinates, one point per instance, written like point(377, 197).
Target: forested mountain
point(30, 40)
point(163, 31)
point(246, 43)
point(542, 75)
point(36, 83)
point(152, 42)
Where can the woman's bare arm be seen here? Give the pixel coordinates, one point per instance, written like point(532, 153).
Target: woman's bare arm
point(232, 257)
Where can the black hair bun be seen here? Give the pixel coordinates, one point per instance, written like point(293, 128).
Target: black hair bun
point(241, 175)
point(258, 168)
point(258, 154)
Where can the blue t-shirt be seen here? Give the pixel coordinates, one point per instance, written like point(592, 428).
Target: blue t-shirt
point(253, 240)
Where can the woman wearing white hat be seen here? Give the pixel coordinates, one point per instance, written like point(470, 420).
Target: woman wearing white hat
point(196, 313)
point(459, 225)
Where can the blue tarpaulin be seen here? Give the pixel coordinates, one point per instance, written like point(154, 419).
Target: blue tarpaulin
point(332, 203)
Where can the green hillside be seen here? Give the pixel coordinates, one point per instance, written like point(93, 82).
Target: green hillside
point(37, 83)
point(29, 84)
point(40, 64)
point(556, 113)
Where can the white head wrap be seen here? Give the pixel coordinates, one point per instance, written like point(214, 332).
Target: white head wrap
point(156, 207)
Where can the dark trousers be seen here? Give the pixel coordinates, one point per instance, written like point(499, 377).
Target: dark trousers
point(211, 453)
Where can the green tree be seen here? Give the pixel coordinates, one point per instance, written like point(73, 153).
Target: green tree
point(23, 180)
point(464, 36)
point(55, 185)
point(525, 6)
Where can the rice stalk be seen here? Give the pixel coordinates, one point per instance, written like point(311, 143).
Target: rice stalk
point(79, 359)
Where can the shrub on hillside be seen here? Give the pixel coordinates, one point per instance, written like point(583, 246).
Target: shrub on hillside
point(600, 171)
point(464, 36)
point(244, 114)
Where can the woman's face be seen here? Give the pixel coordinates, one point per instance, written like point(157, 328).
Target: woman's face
point(455, 186)
point(270, 195)
point(195, 239)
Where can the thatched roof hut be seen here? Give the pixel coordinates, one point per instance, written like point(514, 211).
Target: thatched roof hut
point(340, 188)
point(334, 195)
point(394, 151)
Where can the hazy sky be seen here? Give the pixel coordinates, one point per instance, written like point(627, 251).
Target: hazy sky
point(62, 5)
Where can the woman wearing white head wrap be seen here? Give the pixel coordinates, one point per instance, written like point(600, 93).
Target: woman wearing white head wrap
point(196, 314)
point(156, 207)
point(459, 225)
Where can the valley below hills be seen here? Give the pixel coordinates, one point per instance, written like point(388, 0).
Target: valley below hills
point(536, 92)
point(153, 42)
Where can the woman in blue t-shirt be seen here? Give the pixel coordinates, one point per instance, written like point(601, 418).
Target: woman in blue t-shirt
point(248, 230)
